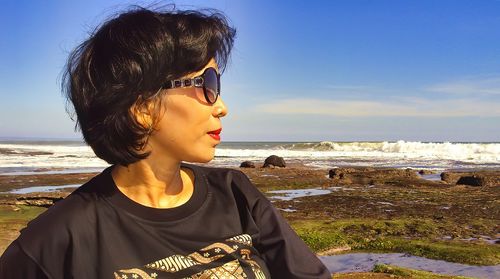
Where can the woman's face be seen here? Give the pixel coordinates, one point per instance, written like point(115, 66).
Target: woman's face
point(186, 119)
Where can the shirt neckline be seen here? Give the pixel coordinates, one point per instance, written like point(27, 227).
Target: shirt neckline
point(117, 198)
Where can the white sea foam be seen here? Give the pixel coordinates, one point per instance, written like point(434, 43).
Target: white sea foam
point(48, 156)
point(467, 152)
point(400, 154)
point(33, 156)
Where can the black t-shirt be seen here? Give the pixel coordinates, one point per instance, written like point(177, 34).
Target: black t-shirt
point(227, 229)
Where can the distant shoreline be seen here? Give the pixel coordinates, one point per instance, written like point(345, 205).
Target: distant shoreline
point(35, 139)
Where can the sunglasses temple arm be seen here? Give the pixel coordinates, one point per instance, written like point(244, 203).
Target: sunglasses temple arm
point(168, 84)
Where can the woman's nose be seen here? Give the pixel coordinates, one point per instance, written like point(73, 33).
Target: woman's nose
point(219, 108)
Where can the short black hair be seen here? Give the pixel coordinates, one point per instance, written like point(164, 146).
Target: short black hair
point(127, 59)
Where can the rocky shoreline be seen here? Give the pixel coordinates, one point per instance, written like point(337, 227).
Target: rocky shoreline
point(359, 208)
point(295, 176)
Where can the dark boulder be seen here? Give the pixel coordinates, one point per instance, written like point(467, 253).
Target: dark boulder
point(247, 164)
point(340, 173)
point(274, 161)
point(474, 178)
point(470, 180)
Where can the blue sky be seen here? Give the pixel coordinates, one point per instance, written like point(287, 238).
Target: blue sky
point(347, 70)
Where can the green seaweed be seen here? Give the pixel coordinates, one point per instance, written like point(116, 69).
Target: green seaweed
point(22, 213)
point(410, 273)
point(415, 237)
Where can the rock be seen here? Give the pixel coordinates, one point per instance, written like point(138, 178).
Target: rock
point(470, 180)
point(340, 173)
point(275, 161)
point(370, 176)
point(438, 216)
point(490, 180)
point(450, 177)
point(335, 250)
point(38, 201)
point(247, 164)
point(424, 172)
point(335, 173)
point(478, 178)
point(387, 173)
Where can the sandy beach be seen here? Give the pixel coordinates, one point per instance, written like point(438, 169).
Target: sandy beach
point(355, 209)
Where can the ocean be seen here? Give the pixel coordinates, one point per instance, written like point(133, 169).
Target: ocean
point(43, 156)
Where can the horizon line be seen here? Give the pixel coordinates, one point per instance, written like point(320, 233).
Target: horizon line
point(56, 139)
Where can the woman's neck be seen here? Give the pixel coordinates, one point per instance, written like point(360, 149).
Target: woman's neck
point(154, 184)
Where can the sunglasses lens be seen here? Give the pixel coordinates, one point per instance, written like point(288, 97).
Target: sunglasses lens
point(211, 85)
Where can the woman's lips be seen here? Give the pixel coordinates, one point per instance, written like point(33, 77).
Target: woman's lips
point(215, 134)
point(215, 131)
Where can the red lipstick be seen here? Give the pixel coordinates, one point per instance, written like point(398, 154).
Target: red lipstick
point(215, 134)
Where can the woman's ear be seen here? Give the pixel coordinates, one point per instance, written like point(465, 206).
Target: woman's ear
point(142, 113)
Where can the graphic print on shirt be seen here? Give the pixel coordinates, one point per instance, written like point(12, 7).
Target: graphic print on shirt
point(229, 259)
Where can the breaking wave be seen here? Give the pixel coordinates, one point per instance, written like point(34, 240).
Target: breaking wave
point(466, 152)
point(50, 156)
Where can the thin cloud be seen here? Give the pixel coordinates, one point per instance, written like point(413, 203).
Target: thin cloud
point(486, 85)
point(414, 107)
point(348, 87)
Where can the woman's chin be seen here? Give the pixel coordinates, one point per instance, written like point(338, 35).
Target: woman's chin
point(204, 158)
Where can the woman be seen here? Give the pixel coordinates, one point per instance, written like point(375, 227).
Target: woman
point(145, 88)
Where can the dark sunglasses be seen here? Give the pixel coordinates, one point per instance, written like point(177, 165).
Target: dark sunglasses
point(209, 81)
